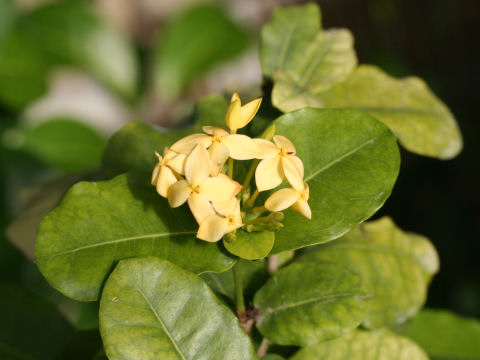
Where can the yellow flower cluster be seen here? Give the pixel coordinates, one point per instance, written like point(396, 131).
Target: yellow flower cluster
point(192, 171)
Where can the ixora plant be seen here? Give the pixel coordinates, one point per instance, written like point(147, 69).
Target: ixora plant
point(221, 277)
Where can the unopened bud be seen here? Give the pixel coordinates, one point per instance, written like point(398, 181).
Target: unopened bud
point(230, 237)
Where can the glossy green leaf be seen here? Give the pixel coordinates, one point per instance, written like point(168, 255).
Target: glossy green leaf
point(133, 146)
point(445, 335)
point(303, 59)
point(251, 245)
point(72, 33)
point(152, 309)
point(351, 163)
point(23, 69)
point(63, 143)
point(306, 303)
point(397, 267)
point(364, 345)
point(99, 223)
point(191, 44)
point(31, 328)
point(421, 121)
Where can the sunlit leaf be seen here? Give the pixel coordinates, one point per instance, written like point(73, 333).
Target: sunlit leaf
point(351, 163)
point(99, 223)
point(152, 309)
point(396, 266)
point(361, 345)
point(306, 303)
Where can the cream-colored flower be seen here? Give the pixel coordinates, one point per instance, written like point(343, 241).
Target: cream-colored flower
point(198, 189)
point(239, 116)
point(295, 197)
point(227, 219)
point(278, 162)
point(163, 175)
point(221, 145)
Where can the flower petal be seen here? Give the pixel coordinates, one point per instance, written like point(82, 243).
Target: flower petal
point(292, 173)
point(296, 160)
point(219, 189)
point(285, 144)
point(178, 193)
point(235, 97)
point(267, 148)
point(186, 144)
point(212, 228)
point(302, 207)
point(228, 207)
point(166, 178)
point(215, 130)
point(241, 147)
point(232, 117)
point(197, 165)
point(177, 163)
point(200, 207)
point(282, 199)
point(248, 111)
point(269, 173)
point(156, 171)
point(218, 155)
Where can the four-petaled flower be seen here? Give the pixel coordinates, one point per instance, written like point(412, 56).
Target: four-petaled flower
point(163, 175)
point(226, 220)
point(295, 197)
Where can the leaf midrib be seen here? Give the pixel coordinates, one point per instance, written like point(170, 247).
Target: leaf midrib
point(116, 241)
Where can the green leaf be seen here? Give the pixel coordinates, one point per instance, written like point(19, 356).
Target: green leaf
point(445, 335)
point(23, 69)
point(63, 143)
point(273, 357)
point(302, 59)
point(251, 245)
point(306, 303)
point(152, 309)
point(351, 163)
point(421, 121)
point(361, 345)
point(191, 44)
point(133, 146)
point(397, 267)
point(72, 33)
point(99, 223)
point(8, 13)
point(31, 328)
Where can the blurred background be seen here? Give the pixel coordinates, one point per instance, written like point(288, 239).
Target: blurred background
point(73, 72)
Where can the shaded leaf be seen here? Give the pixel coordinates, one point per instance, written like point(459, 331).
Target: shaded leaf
point(304, 304)
point(302, 59)
point(72, 33)
point(99, 223)
point(421, 121)
point(361, 345)
point(351, 163)
point(251, 245)
point(445, 335)
point(152, 309)
point(396, 266)
point(273, 357)
point(191, 44)
point(8, 13)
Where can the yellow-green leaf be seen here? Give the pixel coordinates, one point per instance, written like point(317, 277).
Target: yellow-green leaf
point(251, 245)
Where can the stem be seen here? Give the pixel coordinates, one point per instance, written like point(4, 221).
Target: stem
point(237, 279)
point(263, 219)
point(230, 168)
point(252, 199)
point(250, 173)
point(263, 348)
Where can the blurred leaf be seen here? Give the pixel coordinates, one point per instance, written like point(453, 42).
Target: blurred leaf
point(421, 121)
point(23, 68)
point(395, 265)
point(303, 59)
point(133, 146)
point(100, 223)
point(351, 163)
point(62, 143)
point(152, 309)
point(445, 335)
point(251, 245)
point(273, 357)
point(361, 345)
point(307, 303)
point(191, 44)
point(31, 329)
point(72, 33)
point(8, 13)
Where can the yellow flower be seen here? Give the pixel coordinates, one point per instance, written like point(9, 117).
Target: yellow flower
point(198, 189)
point(163, 174)
point(221, 145)
point(296, 198)
point(239, 116)
point(227, 219)
point(278, 162)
